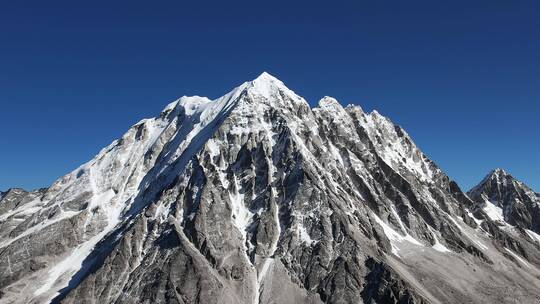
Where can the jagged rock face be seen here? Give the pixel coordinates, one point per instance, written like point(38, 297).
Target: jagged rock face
point(257, 198)
point(510, 212)
point(504, 198)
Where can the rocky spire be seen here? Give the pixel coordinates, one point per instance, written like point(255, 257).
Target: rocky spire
point(517, 203)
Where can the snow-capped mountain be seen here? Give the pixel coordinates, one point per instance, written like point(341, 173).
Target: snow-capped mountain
point(257, 198)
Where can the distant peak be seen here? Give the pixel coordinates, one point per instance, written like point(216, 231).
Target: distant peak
point(498, 173)
point(13, 190)
point(496, 176)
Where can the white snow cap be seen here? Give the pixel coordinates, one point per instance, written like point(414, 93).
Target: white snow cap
point(265, 84)
point(193, 104)
point(265, 76)
point(273, 89)
point(328, 102)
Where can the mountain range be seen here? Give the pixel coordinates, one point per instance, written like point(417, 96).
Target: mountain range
point(256, 197)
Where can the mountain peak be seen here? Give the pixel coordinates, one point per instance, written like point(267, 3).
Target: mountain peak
point(498, 173)
point(328, 102)
point(265, 76)
point(506, 199)
point(498, 184)
point(494, 178)
point(265, 84)
point(273, 91)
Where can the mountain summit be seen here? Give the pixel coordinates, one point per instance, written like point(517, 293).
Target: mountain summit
point(503, 198)
point(257, 198)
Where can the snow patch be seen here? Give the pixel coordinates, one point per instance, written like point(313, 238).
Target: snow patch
point(241, 215)
point(469, 213)
point(533, 235)
point(73, 262)
point(494, 212)
point(213, 147)
point(304, 235)
point(522, 261)
point(470, 237)
point(438, 246)
point(394, 236)
point(335, 153)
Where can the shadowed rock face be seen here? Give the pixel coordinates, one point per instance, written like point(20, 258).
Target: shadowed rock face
point(257, 198)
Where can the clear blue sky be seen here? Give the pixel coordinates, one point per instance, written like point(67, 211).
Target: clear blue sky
point(462, 77)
